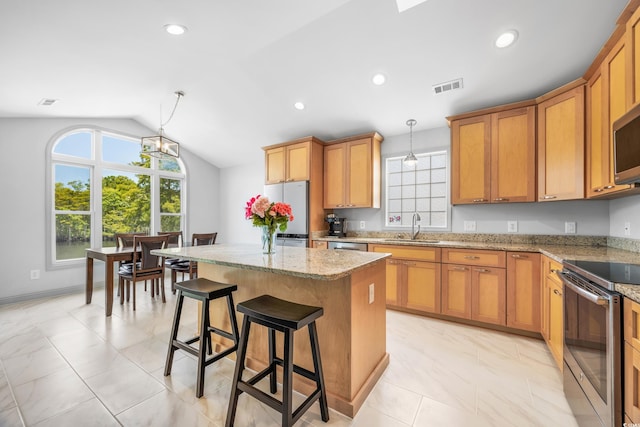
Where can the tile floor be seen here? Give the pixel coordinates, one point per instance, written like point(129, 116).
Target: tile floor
point(63, 363)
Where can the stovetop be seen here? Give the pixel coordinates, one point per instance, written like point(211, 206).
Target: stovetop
point(612, 272)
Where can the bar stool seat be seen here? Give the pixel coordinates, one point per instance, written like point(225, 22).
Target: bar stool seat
point(203, 290)
point(287, 317)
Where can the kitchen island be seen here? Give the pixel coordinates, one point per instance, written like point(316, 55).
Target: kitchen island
point(350, 287)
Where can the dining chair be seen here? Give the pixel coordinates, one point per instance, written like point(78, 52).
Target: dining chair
point(191, 267)
point(146, 266)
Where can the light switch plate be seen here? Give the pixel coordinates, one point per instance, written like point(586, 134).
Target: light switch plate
point(570, 227)
point(469, 226)
point(362, 225)
point(512, 226)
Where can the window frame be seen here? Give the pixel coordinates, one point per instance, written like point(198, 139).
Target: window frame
point(447, 194)
point(96, 167)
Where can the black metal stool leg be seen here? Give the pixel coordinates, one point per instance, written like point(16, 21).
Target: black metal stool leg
point(208, 342)
point(233, 320)
point(204, 331)
point(287, 379)
point(317, 367)
point(174, 335)
point(237, 373)
point(272, 364)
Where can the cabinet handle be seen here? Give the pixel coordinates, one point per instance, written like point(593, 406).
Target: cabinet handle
point(460, 268)
point(518, 256)
point(608, 187)
point(598, 190)
point(500, 199)
point(339, 206)
point(471, 257)
point(483, 270)
point(479, 200)
point(549, 196)
point(410, 264)
point(557, 292)
point(554, 270)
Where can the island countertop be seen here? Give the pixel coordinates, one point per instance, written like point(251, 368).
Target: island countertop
point(301, 262)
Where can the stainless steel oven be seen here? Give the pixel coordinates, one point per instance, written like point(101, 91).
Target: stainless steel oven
point(592, 343)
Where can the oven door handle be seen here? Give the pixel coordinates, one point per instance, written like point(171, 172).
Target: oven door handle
point(591, 297)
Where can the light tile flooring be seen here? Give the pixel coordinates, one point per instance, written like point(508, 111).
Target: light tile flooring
point(63, 363)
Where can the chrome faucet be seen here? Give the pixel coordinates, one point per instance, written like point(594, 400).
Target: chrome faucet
point(414, 221)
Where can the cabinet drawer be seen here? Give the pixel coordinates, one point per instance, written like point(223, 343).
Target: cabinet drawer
point(632, 323)
point(549, 268)
point(631, 382)
point(409, 252)
point(474, 257)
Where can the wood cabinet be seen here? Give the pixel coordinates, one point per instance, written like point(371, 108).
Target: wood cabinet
point(474, 285)
point(352, 172)
point(493, 157)
point(561, 146)
point(552, 309)
point(320, 244)
point(631, 359)
point(413, 277)
point(288, 163)
point(523, 291)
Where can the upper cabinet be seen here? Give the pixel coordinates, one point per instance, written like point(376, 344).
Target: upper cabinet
point(493, 157)
point(290, 162)
point(352, 172)
point(561, 146)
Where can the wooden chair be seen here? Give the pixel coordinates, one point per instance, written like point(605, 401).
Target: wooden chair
point(125, 240)
point(145, 267)
point(175, 238)
point(191, 267)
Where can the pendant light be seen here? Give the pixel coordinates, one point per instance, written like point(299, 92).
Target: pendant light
point(411, 159)
point(159, 145)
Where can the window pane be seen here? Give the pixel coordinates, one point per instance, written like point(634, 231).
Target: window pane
point(72, 188)
point(77, 144)
point(123, 151)
point(169, 164)
point(126, 206)
point(73, 233)
point(170, 222)
point(170, 196)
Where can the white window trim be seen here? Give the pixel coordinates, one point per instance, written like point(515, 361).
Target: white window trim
point(96, 168)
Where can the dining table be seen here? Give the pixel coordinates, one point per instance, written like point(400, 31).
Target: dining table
point(109, 256)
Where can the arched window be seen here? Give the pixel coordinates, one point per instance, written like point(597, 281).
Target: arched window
point(99, 184)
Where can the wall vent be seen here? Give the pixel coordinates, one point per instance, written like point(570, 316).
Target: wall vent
point(47, 101)
point(447, 86)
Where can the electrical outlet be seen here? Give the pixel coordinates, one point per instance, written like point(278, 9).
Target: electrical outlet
point(570, 227)
point(372, 293)
point(469, 226)
point(34, 274)
point(362, 225)
point(627, 229)
point(512, 226)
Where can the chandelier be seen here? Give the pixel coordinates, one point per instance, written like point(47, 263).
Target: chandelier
point(159, 145)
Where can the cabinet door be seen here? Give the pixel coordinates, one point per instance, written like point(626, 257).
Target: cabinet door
point(597, 139)
point(275, 165)
point(456, 290)
point(632, 42)
point(631, 382)
point(488, 295)
point(513, 156)
point(359, 192)
point(523, 291)
point(556, 321)
point(471, 160)
point(632, 322)
point(335, 160)
point(393, 278)
point(561, 146)
point(298, 161)
point(422, 286)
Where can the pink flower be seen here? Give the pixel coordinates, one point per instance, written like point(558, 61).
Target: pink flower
point(260, 206)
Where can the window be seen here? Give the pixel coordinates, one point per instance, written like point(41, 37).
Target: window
point(101, 185)
point(421, 189)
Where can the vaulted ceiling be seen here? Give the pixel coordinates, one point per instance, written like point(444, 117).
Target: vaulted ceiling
point(243, 63)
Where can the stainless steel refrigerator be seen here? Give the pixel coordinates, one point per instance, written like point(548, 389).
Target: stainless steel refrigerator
point(295, 194)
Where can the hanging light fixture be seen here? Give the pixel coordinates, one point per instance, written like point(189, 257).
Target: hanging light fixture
point(159, 145)
point(411, 159)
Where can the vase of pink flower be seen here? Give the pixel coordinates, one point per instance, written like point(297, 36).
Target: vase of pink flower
point(271, 216)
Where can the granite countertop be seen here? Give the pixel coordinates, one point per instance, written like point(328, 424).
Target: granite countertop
point(300, 262)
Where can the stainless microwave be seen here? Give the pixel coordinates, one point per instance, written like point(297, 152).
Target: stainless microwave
point(626, 147)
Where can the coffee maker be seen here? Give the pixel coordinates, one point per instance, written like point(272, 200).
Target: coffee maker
point(337, 226)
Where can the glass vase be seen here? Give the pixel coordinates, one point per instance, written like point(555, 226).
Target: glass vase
point(268, 240)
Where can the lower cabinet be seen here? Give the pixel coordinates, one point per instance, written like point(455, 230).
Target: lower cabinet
point(552, 310)
point(523, 291)
point(631, 360)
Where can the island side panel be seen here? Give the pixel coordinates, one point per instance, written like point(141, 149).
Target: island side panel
point(334, 327)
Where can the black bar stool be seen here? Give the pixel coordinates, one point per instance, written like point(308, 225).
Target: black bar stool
point(286, 317)
point(202, 290)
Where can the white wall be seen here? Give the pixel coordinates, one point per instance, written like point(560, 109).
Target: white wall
point(22, 170)
point(625, 210)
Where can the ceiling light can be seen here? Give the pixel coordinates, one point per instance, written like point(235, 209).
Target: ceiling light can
point(506, 39)
point(378, 79)
point(299, 105)
point(175, 29)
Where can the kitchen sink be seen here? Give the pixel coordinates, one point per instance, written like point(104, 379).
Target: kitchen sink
point(411, 240)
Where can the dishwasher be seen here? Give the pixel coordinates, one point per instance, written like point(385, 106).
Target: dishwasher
point(350, 246)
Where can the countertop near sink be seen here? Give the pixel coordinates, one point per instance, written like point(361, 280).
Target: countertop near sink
point(592, 248)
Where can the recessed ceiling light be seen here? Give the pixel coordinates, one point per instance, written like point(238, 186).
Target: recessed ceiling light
point(507, 38)
point(378, 79)
point(299, 105)
point(175, 29)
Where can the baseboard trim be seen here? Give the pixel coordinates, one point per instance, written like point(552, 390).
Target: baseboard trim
point(46, 294)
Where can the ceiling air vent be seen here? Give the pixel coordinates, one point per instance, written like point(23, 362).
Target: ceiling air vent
point(447, 86)
point(47, 101)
